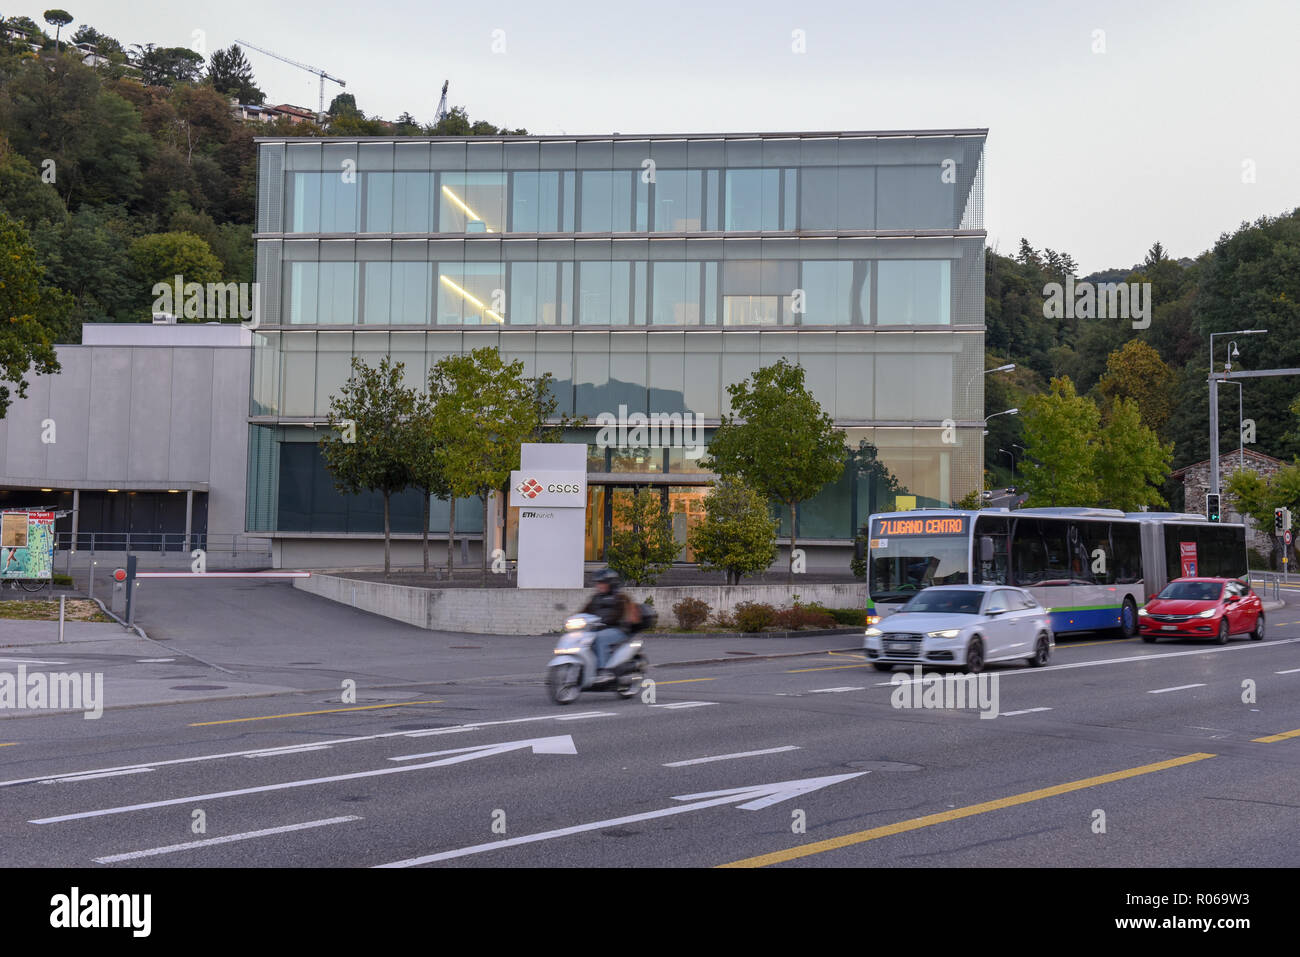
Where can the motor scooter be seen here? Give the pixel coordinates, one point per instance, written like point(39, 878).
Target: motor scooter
point(573, 669)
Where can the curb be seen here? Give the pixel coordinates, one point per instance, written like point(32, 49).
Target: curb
point(811, 633)
point(740, 658)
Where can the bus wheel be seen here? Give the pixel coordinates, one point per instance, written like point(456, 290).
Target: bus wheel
point(1128, 618)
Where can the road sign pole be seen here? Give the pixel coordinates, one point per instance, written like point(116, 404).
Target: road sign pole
point(130, 587)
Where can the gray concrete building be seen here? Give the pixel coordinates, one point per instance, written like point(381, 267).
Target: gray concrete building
point(141, 435)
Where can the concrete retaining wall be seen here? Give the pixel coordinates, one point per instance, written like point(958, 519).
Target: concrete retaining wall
point(512, 611)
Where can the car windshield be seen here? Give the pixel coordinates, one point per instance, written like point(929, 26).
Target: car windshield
point(941, 601)
point(1192, 591)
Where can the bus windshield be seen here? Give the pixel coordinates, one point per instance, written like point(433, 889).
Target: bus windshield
point(900, 567)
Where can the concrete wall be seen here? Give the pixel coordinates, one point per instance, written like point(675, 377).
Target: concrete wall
point(160, 415)
point(510, 611)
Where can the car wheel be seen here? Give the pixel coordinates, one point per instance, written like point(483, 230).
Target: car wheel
point(975, 656)
point(1223, 631)
point(1042, 651)
point(1128, 618)
point(881, 666)
point(1258, 633)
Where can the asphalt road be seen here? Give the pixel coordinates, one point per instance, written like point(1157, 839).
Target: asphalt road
point(1119, 754)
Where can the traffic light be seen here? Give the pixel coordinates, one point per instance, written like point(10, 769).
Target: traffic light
point(1278, 519)
point(1212, 507)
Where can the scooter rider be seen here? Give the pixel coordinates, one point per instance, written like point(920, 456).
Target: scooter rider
point(616, 610)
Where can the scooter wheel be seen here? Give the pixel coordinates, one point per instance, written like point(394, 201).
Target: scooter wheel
point(562, 684)
point(627, 691)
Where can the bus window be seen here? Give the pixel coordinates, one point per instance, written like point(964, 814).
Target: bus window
point(1039, 553)
point(1126, 539)
point(994, 572)
point(1099, 554)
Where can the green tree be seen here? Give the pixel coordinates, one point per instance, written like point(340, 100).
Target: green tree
point(22, 194)
point(371, 414)
point(778, 440)
point(483, 409)
point(86, 256)
point(1136, 371)
point(167, 66)
point(161, 257)
point(424, 461)
point(1061, 436)
point(1131, 461)
point(57, 19)
point(231, 74)
point(738, 533)
point(27, 308)
point(641, 543)
point(1250, 495)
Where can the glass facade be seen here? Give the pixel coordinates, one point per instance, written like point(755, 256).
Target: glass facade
point(645, 273)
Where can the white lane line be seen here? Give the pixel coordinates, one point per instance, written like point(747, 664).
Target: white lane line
point(228, 839)
point(153, 661)
point(1289, 671)
point(95, 777)
point(728, 757)
point(677, 705)
point(1176, 688)
point(1013, 672)
point(833, 690)
point(298, 750)
point(256, 751)
point(590, 714)
point(1012, 714)
point(29, 661)
point(554, 745)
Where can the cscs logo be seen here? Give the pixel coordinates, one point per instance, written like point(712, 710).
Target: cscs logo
point(530, 488)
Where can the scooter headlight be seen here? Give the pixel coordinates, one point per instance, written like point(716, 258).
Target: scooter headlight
point(576, 623)
point(567, 651)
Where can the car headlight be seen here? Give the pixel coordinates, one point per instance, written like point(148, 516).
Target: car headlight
point(949, 633)
point(1208, 613)
point(575, 624)
point(1142, 610)
point(874, 632)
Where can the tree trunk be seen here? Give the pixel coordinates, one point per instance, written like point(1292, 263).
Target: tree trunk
point(388, 562)
point(451, 536)
point(427, 495)
point(794, 511)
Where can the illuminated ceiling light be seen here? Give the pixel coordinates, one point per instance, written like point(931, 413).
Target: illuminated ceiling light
point(47, 490)
point(173, 490)
point(465, 294)
point(465, 209)
point(111, 490)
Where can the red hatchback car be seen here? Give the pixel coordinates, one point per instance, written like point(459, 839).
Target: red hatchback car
point(1203, 608)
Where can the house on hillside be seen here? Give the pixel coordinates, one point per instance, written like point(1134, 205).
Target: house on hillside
point(296, 114)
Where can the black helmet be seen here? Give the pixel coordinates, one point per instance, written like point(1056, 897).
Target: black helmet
point(609, 577)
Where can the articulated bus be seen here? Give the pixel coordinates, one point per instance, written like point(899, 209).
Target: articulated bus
point(1092, 568)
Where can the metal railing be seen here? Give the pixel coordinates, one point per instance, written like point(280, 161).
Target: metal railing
point(233, 544)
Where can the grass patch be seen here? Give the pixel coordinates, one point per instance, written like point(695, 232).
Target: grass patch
point(43, 609)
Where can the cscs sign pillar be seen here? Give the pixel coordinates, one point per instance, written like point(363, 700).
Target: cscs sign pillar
point(550, 491)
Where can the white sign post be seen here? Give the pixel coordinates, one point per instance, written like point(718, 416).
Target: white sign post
point(550, 491)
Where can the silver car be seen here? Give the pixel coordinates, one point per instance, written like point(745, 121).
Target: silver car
point(963, 626)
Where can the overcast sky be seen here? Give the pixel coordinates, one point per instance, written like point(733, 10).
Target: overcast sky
point(1098, 154)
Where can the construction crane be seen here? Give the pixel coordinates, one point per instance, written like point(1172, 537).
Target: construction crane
point(442, 104)
point(320, 113)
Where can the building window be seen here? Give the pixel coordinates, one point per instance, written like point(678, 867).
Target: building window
point(471, 202)
point(753, 199)
point(913, 292)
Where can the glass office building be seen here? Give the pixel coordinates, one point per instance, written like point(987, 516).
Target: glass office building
point(644, 272)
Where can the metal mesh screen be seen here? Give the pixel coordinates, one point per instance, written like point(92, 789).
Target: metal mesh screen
point(270, 188)
point(263, 478)
point(973, 215)
point(270, 254)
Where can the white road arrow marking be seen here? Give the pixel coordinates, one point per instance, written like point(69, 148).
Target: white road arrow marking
point(562, 744)
point(750, 798)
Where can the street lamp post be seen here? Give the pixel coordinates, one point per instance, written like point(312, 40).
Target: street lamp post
point(1214, 406)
